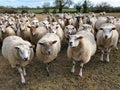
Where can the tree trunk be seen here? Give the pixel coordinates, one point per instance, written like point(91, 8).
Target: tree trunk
point(60, 9)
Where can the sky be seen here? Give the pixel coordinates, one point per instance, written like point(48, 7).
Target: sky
point(35, 3)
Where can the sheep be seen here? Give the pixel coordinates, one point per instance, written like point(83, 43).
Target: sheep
point(6, 31)
point(81, 47)
point(117, 24)
point(56, 28)
point(91, 19)
point(101, 20)
point(86, 27)
point(48, 48)
point(69, 30)
point(107, 38)
point(77, 21)
point(23, 30)
point(61, 22)
point(18, 52)
point(36, 33)
point(68, 20)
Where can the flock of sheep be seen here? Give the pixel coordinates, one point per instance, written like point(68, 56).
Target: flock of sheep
point(24, 37)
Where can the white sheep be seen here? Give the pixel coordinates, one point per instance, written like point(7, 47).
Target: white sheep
point(6, 31)
point(18, 52)
point(48, 48)
point(81, 47)
point(77, 21)
point(117, 24)
point(56, 28)
point(91, 19)
point(37, 32)
point(86, 27)
point(69, 30)
point(23, 30)
point(101, 20)
point(107, 38)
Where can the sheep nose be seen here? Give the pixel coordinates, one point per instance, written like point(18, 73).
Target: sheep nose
point(70, 43)
point(106, 37)
point(26, 59)
point(49, 52)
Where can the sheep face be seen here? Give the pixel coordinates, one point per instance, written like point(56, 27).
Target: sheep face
point(53, 29)
point(74, 40)
point(23, 25)
point(46, 47)
point(24, 51)
point(34, 23)
point(33, 29)
point(2, 28)
point(70, 30)
point(107, 32)
point(110, 19)
point(87, 27)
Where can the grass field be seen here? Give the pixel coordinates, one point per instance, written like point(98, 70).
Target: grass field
point(38, 11)
point(96, 75)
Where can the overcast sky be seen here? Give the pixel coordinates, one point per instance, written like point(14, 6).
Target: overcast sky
point(35, 3)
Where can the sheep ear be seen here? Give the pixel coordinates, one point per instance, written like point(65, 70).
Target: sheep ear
point(26, 20)
point(32, 46)
point(41, 43)
point(66, 27)
point(17, 47)
point(68, 36)
point(29, 26)
point(54, 42)
point(73, 28)
point(37, 26)
point(56, 27)
point(80, 37)
point(101, 28)
point(114, 28)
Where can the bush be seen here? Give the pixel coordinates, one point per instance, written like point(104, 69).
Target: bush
point(8, 10)
point(24, 11)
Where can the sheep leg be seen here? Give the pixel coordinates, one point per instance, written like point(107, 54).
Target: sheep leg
point(21, 74)
point(24, 71)
point(47, 69)
point(73, 67)
point(102, 55)
point(108, 54)
point(81, 67)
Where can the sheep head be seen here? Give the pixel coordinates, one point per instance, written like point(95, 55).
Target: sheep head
point(24, 51)
point(46, 47)
point(69, 30)
point(107, 31)
point(74, 40)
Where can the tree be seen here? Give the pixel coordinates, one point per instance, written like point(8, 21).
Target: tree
point(86, 5)
point(104, 6)
point(46, 7)
point(60, 4)
point(78, 6)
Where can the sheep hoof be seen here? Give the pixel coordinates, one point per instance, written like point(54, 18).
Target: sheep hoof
point(23, 81)
point(25, 74)
point(116, 48)
point(72, 71)
point(101, 60)
point(107, 61)
point(48, 74)
point(80, 75)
